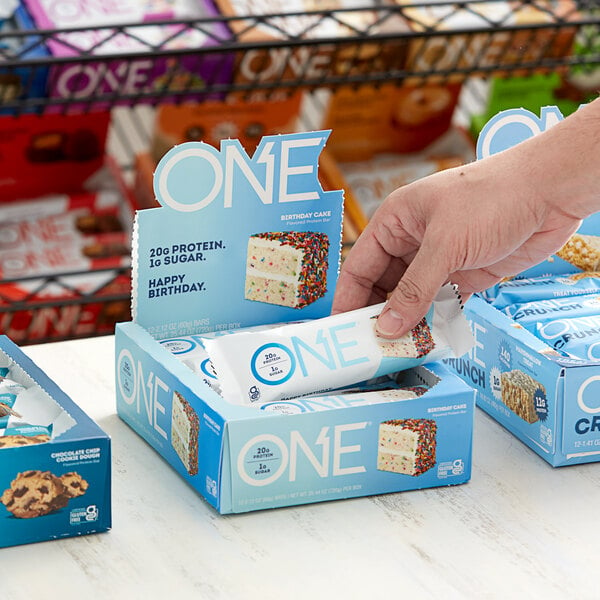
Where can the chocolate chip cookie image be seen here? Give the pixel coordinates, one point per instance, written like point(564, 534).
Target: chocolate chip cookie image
point(34, 494)
point(75, 484)
point(17, 440)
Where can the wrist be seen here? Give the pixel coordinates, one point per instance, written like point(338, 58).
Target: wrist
point(566, 163)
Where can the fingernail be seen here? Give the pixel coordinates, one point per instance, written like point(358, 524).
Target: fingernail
point(389, 322)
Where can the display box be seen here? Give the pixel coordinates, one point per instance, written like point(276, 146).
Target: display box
point(131, 75)
point(548, 401)
point(558, 418)
point(213, 121)
point(349, 25)
point(388, 118)
point(53, 485)
point(243, 458)
point(65, 262)
point(367, 183)
point(541, 32)
point(53, 154)
point(20, 83)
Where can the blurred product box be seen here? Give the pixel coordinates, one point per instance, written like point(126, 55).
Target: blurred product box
point(388, 118)
point(547, 400)
point(20, 83)
point(64, 263)
point(7, 10)
point(193, 275)
point(353, 55)
point(530, 92)
point(116, 77)
point(437, 53)
point(566, 88)
point(51, 153)
point(55, 462)
point(212, 121)
point(144, 166)
point(367, 183)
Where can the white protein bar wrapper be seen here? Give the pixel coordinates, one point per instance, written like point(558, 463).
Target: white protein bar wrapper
point(329, 353)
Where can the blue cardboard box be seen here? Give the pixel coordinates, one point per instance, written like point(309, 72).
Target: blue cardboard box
point(563, 425)
point(194, 272)
point(242, 458)
point(558, 412)
point(77, 449)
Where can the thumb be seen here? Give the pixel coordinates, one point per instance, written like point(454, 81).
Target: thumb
point(414, 294)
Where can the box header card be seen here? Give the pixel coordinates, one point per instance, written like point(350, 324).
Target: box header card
point(237, 240)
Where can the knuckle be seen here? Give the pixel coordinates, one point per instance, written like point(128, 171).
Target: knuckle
point(409, 291)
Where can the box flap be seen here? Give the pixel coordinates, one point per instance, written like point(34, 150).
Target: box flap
point(53, 407)
point(231, 232)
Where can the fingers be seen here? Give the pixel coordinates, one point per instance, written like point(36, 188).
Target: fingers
point(414, 293)
point(377, 260)
point(364, 266)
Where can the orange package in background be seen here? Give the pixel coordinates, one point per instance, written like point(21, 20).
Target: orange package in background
point(50, 153)
point(367, 183)
point(143, 187)
point(214, 121)
point(370, 120)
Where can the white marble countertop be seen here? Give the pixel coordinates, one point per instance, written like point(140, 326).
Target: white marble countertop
point(518, 529)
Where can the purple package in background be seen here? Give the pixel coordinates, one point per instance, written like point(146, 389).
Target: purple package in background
point(114, 76)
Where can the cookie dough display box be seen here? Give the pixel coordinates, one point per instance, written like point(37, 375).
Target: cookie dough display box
point(54, 485)
point(242, 458)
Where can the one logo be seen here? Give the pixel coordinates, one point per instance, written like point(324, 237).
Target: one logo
point(254, 394)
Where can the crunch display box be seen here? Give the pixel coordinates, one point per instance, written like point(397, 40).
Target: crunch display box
point(547, 400)
point(211, 259)
point(55, 469)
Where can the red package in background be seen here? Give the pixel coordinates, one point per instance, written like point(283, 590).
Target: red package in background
point(50, 153)
point(62, 219)
point(65, 263)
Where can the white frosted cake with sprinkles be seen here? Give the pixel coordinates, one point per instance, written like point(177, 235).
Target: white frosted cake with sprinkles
point(407, 446)
point(185, 427)
point(288, 268)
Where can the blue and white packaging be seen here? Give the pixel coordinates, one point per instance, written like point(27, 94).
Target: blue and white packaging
point(323, 354)
point(550, 402)
point(54, 441)
point(241, 458)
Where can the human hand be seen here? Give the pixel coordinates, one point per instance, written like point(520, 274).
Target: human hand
point(472, 225)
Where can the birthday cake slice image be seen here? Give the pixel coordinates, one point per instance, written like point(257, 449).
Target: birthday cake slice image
point(407, 446)
point(288, 268)
point(416, 343)
point(185, 427)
